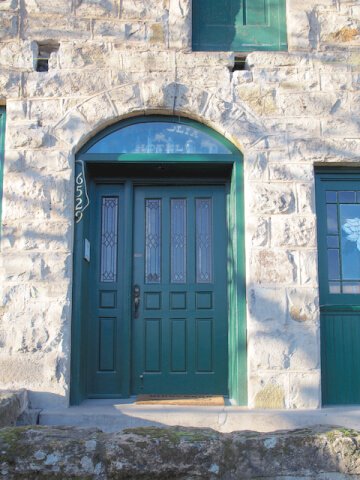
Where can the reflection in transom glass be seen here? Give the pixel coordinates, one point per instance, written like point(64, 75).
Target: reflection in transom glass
point(159, 137)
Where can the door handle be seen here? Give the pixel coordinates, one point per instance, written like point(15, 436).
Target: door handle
point(136, 300)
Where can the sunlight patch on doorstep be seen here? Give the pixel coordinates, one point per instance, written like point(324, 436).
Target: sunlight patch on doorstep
point(200, 400)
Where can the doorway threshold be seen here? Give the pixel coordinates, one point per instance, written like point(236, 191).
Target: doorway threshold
point(113, 415)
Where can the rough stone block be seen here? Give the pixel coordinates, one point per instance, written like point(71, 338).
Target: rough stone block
point(293, 231)
point(34, 235)
point(291, 172)
point(190, 100)
point(190, 60)
point(271, 59)
point(268, 390)
point(10, 84)
point(56, 7)
point(62, 84)
point(12, 405)
point(305, 105)
point(297, 128)
point(272, 198)
point(268, 350)
point(156, 33)
point(304, 352)
point(148, 62)
point(127, 99)
point(91, 108)
point(29, 136)
point(22, 267)
point(305, 390)
point(47, 162)
point(308, 267)
point(303, 305)
point(57, 27)
point(335, 78)
point(306, 198)
point(259, 99)
point(256, 166)
point(337, 127)
point(258, 230)
point(267, 308)
point(84, 54)
point(16, 111)
point(16, 55)
point(273, 267)
point(159, 94)
point(218, 83)
point(9, 25)
point(9, 5)
point(34, 201)
point(136, 9)
point(96, 8)
point(44, 111)
point(134, 33)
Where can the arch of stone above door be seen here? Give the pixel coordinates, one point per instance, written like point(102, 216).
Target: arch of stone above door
point(232, 120)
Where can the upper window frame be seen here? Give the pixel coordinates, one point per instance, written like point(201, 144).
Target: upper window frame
point(276, 19)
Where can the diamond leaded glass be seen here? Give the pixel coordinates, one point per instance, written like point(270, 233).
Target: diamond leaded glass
point(109, 239)
point(203, 240)
point(152, 240)
point(178, 240)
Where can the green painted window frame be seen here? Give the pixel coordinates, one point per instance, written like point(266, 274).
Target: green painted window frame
point(277, 30)
point(2, 157)
point(237, 335)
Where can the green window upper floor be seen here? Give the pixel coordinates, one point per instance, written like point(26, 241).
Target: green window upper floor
point(239, 25)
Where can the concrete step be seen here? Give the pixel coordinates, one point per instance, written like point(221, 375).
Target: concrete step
point(110, 416)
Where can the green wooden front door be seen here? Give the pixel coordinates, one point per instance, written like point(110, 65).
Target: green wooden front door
point(338, 211)
point(178, 287)
point(180, 326)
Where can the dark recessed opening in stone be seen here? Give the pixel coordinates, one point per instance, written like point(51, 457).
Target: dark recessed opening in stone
point(44, 52)
point(239, 63)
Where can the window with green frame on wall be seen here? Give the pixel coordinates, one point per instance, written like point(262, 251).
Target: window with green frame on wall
point(239, 25)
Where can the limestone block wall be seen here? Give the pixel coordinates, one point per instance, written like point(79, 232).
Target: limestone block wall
point(286, 111)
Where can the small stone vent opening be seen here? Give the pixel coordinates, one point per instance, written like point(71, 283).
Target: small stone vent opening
point(239, 63)
point(44, 52)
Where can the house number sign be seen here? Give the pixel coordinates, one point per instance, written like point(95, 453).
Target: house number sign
point(82, 200)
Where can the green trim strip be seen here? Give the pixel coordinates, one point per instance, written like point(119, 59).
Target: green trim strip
point(2, 152)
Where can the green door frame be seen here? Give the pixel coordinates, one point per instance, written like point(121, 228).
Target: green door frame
point(236, 251)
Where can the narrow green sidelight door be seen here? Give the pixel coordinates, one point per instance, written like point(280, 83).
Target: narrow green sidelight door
point(106, 325)
point(338, 211)
point(179, 324)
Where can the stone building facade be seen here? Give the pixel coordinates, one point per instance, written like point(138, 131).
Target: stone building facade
point(287, 112)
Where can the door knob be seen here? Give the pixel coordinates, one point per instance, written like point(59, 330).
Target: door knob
point(136, 300)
